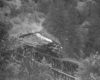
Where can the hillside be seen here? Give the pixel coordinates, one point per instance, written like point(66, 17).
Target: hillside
point(49, 40)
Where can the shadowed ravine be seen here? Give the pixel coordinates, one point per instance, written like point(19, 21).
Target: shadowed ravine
point(49, 40)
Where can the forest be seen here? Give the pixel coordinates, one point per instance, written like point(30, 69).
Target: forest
point(49, 40)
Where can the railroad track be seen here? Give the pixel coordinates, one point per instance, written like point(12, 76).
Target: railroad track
point(52, 63)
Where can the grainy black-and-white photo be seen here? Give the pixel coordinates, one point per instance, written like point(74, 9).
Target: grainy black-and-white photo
point(49, 39)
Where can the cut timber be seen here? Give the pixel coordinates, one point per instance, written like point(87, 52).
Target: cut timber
point(43, 38)
point(46, 34)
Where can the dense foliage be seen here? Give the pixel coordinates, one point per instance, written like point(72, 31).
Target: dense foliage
point(73, 27)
